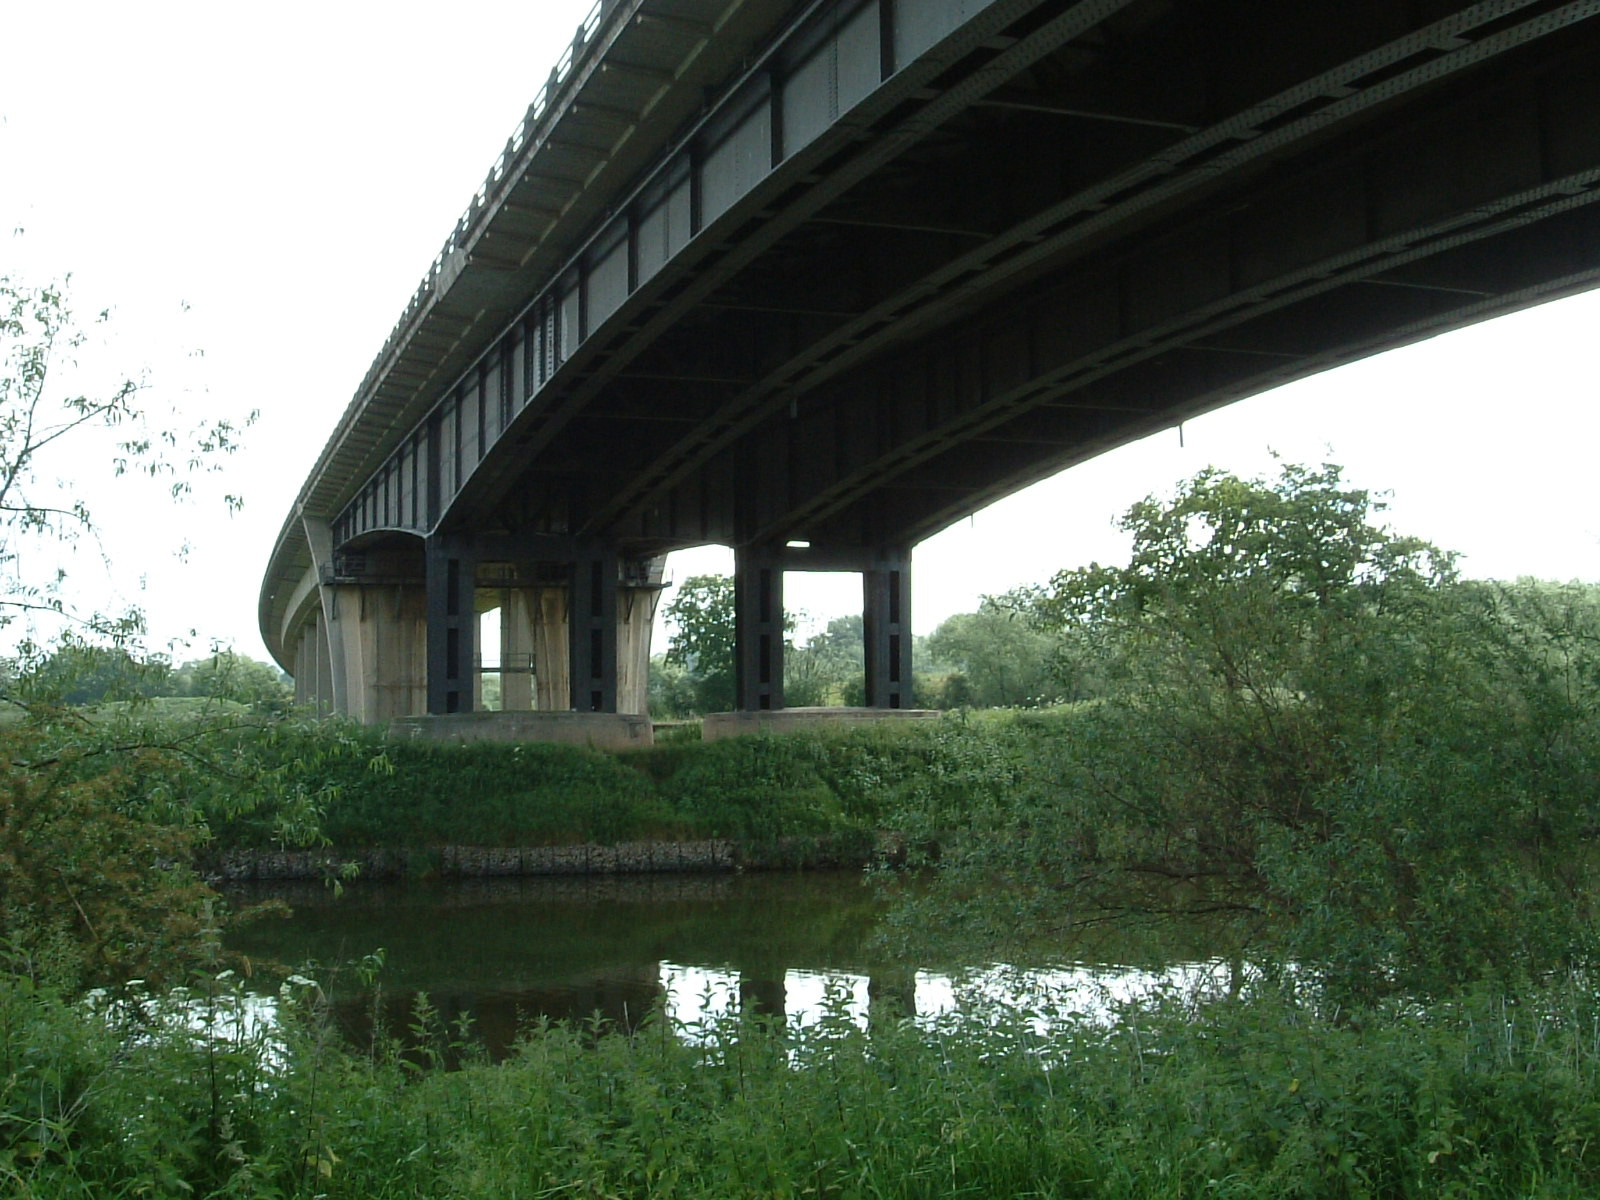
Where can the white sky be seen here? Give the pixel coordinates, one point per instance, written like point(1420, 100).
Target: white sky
point(288, 172)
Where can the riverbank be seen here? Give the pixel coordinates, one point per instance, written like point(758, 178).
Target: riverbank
point(819, 797)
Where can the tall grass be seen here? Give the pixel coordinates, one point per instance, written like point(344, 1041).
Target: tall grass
point(1262, 1098)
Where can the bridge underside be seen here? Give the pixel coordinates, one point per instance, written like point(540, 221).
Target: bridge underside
point(1055, 229)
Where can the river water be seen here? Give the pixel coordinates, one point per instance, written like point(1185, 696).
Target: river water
point(503, 952)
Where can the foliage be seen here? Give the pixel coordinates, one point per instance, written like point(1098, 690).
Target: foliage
point(697, 673)
point(78, 671)
point(227, 675)
point(95, 832)
point(91, 888)
point(701, 614)
point(672, 690)
point(103, 814)
point(1365, 765)
point(359, 791)
point(46, 420)
point(1254, 1099)
point(997, 658)
point(829, 668)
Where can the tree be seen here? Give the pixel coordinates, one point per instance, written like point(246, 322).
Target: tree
point(51, 417)
point(94, 876)
point(830, 668)
point(227, 675)
point(997, 657)
point(1317, 734)
point(672, 690)
point(827, 669)
point(75, 671)
point(702, 618)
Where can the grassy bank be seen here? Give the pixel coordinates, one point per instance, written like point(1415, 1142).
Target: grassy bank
point(1260, 1099)
point(359, 791)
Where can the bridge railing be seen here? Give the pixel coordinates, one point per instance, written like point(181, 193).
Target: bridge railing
point(527, 136)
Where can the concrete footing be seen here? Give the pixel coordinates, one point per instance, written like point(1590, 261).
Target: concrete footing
point(606, 731)
point(790, 720)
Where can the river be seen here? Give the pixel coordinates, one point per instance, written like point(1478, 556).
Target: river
point(503, 952)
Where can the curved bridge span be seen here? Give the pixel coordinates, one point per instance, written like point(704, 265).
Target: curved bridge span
point(815, 279)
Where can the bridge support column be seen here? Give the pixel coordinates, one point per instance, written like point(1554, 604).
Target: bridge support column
point(313, 668)
point(517, 609)
point(381, 641)
point(592, 621)
point(535, 650)
point(452, 619)
point(552, 650)
point(758, 630)
point(636, 612)
point(886, 624)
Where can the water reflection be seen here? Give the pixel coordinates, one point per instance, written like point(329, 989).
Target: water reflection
point(793, 946)
point(695, 997)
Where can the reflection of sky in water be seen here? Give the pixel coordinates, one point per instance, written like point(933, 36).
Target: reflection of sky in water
point(694, 996)
point(696, 999)
point(232, 1019)
point(807, 994)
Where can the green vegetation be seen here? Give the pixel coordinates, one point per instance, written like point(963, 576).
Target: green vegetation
point(76, 671)
point(1257, 1097)
point(699, 661)
point(375, 793)
point(95, 842)
point(993, 658)
point(1314, 730)
point(996, 657)
point(1375, 780)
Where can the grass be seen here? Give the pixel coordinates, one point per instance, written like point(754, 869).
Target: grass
point(1266, 1098)
point(756, 790)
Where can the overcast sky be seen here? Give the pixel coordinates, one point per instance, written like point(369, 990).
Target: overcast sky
point(256, 192)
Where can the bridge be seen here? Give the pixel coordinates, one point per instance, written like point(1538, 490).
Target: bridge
point(816, 278)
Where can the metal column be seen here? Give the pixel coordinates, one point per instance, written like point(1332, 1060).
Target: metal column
point(592, 628)
point(452, 624)
point(758, 630)
point(886, 623)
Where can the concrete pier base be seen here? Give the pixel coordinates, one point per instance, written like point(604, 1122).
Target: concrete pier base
point(605, 731)
point(791, 720)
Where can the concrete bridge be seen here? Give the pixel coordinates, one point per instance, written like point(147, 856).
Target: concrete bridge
point(816, 278)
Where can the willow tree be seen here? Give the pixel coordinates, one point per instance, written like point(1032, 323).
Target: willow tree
point(59, 414)
point(94, 882)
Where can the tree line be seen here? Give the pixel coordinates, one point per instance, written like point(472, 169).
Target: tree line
point(1000, 656)
point(74, 671)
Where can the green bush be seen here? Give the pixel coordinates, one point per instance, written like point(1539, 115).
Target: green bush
point(1313, 733)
